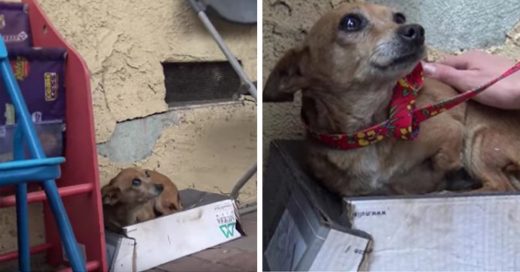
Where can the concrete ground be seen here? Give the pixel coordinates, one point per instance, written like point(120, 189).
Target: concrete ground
point(237, 255)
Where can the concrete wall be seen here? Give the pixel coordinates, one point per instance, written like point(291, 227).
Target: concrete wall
point(450, 28)
point(124, 42)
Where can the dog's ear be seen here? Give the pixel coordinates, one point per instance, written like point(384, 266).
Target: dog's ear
point(286, 77)
point(175, 205)
point(110, 195)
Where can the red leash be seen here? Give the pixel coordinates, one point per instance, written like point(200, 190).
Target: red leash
point(404, 118)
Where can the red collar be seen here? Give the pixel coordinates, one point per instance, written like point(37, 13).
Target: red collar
point(404, 119)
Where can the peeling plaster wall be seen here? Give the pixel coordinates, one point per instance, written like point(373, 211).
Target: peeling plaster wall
point(204, 147)
point(124, 43)
point(207, 148)
point(491, 25)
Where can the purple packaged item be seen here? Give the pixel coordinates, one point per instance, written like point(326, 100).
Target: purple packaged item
point(40, 74)
point(14, 25)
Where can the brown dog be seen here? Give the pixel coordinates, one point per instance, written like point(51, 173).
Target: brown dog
point(346, 69)
point(136, 195)
point(492, 147)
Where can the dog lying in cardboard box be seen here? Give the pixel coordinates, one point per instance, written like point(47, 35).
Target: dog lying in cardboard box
point(136, 195)
point(360, 76)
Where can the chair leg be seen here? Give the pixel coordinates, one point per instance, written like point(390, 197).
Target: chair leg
point(242, 181)
point(65, 229)
point(22, 221)
point(22, 209)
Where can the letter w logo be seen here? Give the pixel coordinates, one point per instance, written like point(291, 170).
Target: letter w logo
point(228, 229)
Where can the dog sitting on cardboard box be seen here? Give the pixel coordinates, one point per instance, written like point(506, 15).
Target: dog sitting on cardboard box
point(136, 195)
point(348, 69)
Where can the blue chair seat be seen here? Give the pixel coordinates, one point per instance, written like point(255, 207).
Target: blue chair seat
point(14, 172)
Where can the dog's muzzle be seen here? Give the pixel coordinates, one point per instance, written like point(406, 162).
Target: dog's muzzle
point(412, 34)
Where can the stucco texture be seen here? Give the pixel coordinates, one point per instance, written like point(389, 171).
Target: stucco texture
point(124, 44)
point(287, 21)
point(206, 147)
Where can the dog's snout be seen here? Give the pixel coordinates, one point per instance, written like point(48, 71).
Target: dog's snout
point(159, 188)
point(412, 33)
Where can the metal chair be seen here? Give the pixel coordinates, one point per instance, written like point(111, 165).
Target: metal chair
point(235, 11)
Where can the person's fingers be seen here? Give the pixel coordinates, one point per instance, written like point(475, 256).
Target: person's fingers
point(460, 62)
point(459, 79)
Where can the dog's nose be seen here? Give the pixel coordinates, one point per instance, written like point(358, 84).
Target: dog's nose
point(159, 188)
point(412, 33)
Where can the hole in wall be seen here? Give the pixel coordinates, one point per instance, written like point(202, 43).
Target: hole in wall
point(189, 83)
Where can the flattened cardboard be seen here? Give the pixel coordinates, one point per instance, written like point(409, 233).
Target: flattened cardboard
point(209, 220)
point(436, 233)
point(461, 233)
point(303, 219)
point(341, 252)
point(289, 237)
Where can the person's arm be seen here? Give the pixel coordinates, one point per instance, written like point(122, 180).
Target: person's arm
point(475, 68)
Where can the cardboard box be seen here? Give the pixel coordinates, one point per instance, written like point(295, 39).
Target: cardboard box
point(458, 233)
point(308, 228)
point(208, 220)
point(305, 226)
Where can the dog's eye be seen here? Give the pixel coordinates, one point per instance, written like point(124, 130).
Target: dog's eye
point(136, 182)
point(351, 23)
point(399, 18)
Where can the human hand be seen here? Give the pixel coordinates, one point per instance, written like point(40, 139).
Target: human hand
point(475, 68)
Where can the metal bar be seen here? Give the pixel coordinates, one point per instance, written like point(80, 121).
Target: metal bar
point(199, 9)
point(249, 208)
point(31, 163)
point(231, 58)
point(197, 6)
point(40, 195)
point(65, 229)
point(28, 174)
point(242, 181)
point(9, 256)
point(22, 209)
point(22, 223)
